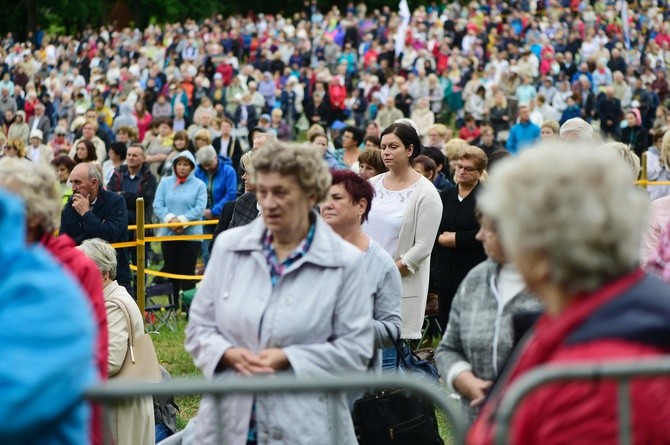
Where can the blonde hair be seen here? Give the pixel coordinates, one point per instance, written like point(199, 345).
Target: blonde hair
point(453, 148)
point(203, 134)
point(37, 185)
point(628, 155)
point(304, 162)
point(19, 145)
point(665, 149)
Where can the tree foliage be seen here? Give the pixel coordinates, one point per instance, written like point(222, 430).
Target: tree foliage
point(72, 16)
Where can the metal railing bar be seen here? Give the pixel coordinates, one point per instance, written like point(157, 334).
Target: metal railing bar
point(552, 373)
point(113, 390)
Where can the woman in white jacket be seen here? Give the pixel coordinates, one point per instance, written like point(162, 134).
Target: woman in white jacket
point(282, 294)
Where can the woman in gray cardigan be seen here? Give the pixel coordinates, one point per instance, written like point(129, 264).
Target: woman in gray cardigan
point(479, 336)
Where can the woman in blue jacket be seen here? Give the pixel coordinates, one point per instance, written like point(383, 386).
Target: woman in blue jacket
point(180, 198)
point(219, 176)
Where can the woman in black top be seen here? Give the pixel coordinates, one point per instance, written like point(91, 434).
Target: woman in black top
point(635, 134)
point(456, 250)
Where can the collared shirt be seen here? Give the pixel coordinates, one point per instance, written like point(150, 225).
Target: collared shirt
point(276, 268)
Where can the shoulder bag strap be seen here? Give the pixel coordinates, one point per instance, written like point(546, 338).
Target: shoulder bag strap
point(231, 147)
point(131, 331)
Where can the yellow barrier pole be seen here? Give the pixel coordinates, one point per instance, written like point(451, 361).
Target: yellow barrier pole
point(139, 235)
point(643, 171)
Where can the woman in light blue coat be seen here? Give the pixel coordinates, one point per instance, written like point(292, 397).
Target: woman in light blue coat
point(180, 198)
point(282, 294)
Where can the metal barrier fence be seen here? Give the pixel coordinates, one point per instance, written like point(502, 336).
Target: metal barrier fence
point(117, 391)
point(623, 372)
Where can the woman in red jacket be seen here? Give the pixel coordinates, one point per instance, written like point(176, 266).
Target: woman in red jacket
point(574, 237)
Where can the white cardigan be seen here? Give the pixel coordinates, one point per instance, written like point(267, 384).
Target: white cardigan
point(418, 232)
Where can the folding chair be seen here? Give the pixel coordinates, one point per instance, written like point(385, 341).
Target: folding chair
point(160, 308)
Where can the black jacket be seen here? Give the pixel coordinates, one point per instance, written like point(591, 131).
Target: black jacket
point(146, 190)
point(108, 220)
point(448, 266)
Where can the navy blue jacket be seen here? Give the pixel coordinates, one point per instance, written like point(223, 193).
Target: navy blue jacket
point(108, 220)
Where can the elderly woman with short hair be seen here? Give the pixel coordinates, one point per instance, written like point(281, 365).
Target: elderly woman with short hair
point(218, 174)
point(480, 335)
point(345, 210)
point(456, 251)
point(130, 422)
point(574, 238)
point(267, 291)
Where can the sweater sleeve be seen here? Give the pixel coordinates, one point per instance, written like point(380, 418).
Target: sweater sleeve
point(427, 220)
point(450, 355)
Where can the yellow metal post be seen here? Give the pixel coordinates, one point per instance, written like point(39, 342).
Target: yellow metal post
point(643, 171)
point(139, 236)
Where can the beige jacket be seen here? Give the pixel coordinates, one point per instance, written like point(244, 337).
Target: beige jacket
point(131, 423)
point(415, 243)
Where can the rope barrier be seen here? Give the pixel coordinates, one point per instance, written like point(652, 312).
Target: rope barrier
point(158, 273)
point(209, 222)
point(161, 239)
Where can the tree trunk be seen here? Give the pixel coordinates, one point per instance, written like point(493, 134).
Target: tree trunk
point(31, 15)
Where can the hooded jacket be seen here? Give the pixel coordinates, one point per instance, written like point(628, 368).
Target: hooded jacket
point(221, 186)
point(46, 339)
point(125, 117)
point(186, 201)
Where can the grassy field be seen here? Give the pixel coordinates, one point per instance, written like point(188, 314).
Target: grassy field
point(173, 356)
point(171, 353)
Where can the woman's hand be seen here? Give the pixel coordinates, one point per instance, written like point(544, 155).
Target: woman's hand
point(245, 362)
point(472, 388)
point(274, 358)
point(175, 220)
point(402, 268)
point(447, 239)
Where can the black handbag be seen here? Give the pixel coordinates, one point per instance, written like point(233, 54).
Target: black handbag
point(396, 416)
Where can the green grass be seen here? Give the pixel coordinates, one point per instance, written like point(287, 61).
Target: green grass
point(172, 355)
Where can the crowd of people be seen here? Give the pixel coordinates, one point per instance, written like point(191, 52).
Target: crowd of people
point(360, 151)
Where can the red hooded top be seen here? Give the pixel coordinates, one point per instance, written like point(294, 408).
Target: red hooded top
point(87, 274)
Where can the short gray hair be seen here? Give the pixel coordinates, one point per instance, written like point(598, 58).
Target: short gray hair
point(304, 162)
point(37, 185)
point(582, 212)
point(627, 154)
point(576, 129)
point(205, 154)
point(102, 254)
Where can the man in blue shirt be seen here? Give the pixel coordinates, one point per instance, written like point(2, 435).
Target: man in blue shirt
point(522, 133)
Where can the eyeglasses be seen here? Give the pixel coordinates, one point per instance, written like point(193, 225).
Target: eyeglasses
point(467, 169)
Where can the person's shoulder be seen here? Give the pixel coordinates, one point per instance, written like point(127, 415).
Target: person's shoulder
point(480, 273)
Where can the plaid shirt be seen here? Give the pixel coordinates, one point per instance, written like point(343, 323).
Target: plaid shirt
point(276, 268)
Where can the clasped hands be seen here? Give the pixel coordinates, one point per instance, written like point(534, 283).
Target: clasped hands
point(245, 362)
point(176, 229)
